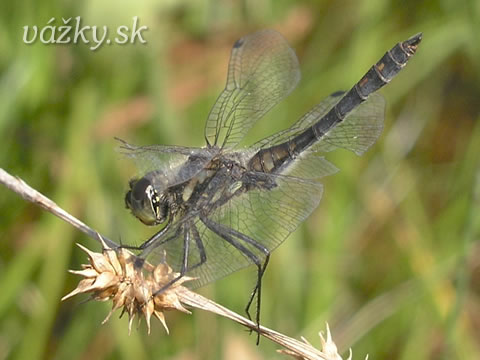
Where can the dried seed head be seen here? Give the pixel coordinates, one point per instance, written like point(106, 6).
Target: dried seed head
point(115, 275)
point(328, 350)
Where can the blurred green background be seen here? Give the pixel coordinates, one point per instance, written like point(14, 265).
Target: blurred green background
point(391, 258)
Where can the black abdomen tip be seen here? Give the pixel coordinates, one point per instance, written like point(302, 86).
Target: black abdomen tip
point(415, 39)
point(411, 44)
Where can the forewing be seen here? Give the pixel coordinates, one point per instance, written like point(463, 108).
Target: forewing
point(173, 164)
point(263, 70)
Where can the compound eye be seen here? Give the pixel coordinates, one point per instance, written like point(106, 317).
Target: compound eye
point(143, 201)
point(140, 189)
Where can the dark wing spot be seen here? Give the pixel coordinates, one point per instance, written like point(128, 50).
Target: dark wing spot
point(338, 93)
point(238, 43)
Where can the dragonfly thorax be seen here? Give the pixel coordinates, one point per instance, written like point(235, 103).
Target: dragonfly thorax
point(146, 203)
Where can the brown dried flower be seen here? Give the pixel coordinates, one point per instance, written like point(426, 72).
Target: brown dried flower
point(118, 275)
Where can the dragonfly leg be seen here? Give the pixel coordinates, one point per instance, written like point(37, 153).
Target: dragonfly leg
point(153, 245)
point(156, 236)
point(232, 237)
point(257, 290)
point(150, 241)
point(184, 267)
point(200, 247)
point(186, 250)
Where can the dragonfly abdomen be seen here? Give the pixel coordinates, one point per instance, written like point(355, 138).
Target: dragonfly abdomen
point(270, 159)
point(377, 76)
point(275, 158)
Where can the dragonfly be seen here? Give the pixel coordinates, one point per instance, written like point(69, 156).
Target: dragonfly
point(224, 207)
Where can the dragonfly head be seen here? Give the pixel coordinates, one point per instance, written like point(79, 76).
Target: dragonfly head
point(149, 206)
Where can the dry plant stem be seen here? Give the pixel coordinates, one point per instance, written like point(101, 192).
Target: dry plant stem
point(298, 349)
point(19, 186)
point(195, 300)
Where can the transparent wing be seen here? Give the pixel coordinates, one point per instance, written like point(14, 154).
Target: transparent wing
point(263, 70)
point(302, 124)
point(173, 164)
point(311, 166)
point(265, 216)
point(357, 132)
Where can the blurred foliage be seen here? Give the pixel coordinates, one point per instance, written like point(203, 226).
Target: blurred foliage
point(391, 256)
